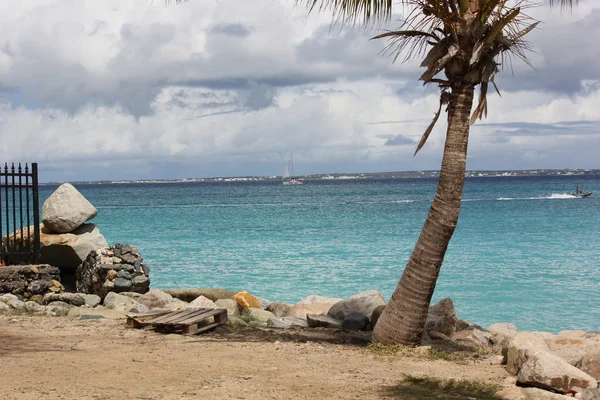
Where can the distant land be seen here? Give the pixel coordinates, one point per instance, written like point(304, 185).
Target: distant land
point(352, 176)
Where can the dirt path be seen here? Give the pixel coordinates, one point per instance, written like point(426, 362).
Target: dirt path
point(64, 358)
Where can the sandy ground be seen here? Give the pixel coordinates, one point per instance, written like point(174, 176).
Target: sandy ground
point(66, 358)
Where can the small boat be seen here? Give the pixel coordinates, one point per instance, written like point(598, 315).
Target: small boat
point(288, 174)
point(586, 194)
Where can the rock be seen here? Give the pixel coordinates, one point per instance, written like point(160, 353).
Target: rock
point(56, 310)
point(24, 281)
point(472, 338)
point(515, 350)
point(435, 335)
point(60, 304)
point(119, 302)
point(264, 303)
point(520, 393)
point(545, 370)
point(301, 310)
point(201, 302)
point(363, 303)
point(111, 274)
point(74, 299)
point(590, 394)
point(296, 322)
point(496, 359)
point(68, 250)
point(324, 321)
point(355, 322)
point(246, 300)
point(236, 322)
point(590, 364)
point(572, 346)
point(34, 307)
point(134, 295)
point(141, 284)
point(213, 294)
point(156, 299)
point(313, 298)
point(91, 300)
point(91, 316)
point(38, 298)
point(502, 331)
point(376, 314)
point(279, 309)
point(278, 323)
point(122, 284)
point(66, 209)
point(4, 307)
point(37, 287)
point(462, 325)
point(231, 305)
point(259, 315)
point(12, 301)
point(442, 317)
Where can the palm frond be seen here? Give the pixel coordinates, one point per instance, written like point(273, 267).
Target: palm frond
point(444, 99)
point(351, 11)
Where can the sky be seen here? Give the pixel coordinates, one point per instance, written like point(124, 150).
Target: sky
point(136, 89)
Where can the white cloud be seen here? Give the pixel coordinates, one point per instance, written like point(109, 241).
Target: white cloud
point(112, 89)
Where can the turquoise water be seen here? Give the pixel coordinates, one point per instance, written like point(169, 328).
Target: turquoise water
point(522, 251)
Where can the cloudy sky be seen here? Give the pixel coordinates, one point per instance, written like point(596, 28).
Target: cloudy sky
point(125, 89)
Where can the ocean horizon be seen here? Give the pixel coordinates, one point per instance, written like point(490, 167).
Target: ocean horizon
point(524, 250)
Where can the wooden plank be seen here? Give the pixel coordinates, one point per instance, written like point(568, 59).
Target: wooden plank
point(197, 316)
point(207, 313)
point(148, 314)
point(194, 329)
point(172, 316)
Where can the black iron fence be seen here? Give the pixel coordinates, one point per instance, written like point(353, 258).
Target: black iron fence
point(19, 214)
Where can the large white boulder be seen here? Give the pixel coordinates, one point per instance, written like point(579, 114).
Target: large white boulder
point(157, 299)
point(363, 303)
point(119, 302)
point(546, 370)
point(201, 302)
point(66, 209)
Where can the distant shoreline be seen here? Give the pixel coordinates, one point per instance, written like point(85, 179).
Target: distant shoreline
point(353, 176)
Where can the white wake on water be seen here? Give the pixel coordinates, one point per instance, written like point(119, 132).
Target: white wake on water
point(553, 196)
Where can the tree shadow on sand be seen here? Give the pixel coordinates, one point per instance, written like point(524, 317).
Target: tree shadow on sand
point(413, 388)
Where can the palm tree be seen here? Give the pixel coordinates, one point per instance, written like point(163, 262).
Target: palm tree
point(468, 41)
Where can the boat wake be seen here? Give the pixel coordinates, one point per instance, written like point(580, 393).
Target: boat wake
point(553, 196)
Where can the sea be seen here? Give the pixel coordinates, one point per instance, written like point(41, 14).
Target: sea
point(523, 252)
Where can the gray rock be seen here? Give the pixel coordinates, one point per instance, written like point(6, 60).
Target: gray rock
point(324, 321)
point(259, 315)
point(278, 323)
point(279, 309)
point(313, 298)
point(264, 303)
point(59, 304)
point(92, 300)
point(66, 209)
point(296, 322)
point(188, 295)
point(435, 335)
point(126, 249)
point(4, 307)
point(68, 250)
point(12, 301)
point(376, 314)
point(302, 310)
point(119, 302)
point(37, 287)
point(124, 274)
point(156, 299)
point(233, 309)
point(355, 322)
point(74, 299)
point(363, 303)
point(442, 317)
point(502, 331)
point(201, 302)
point(128, 258)
point(34, 307)
point(122, 284)
point(472, 338)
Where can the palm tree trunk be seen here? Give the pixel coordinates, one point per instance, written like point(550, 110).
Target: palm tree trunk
point(403, 319)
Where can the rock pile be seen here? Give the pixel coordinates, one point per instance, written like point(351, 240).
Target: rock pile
point(30, 281)
point(118, 268)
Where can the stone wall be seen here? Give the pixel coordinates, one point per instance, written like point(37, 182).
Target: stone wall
point(30, 281)
point(118, 268)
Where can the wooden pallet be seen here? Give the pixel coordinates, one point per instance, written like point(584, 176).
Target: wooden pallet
point(189, 322)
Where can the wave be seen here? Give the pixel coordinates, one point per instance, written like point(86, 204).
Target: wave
point(403, 201)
